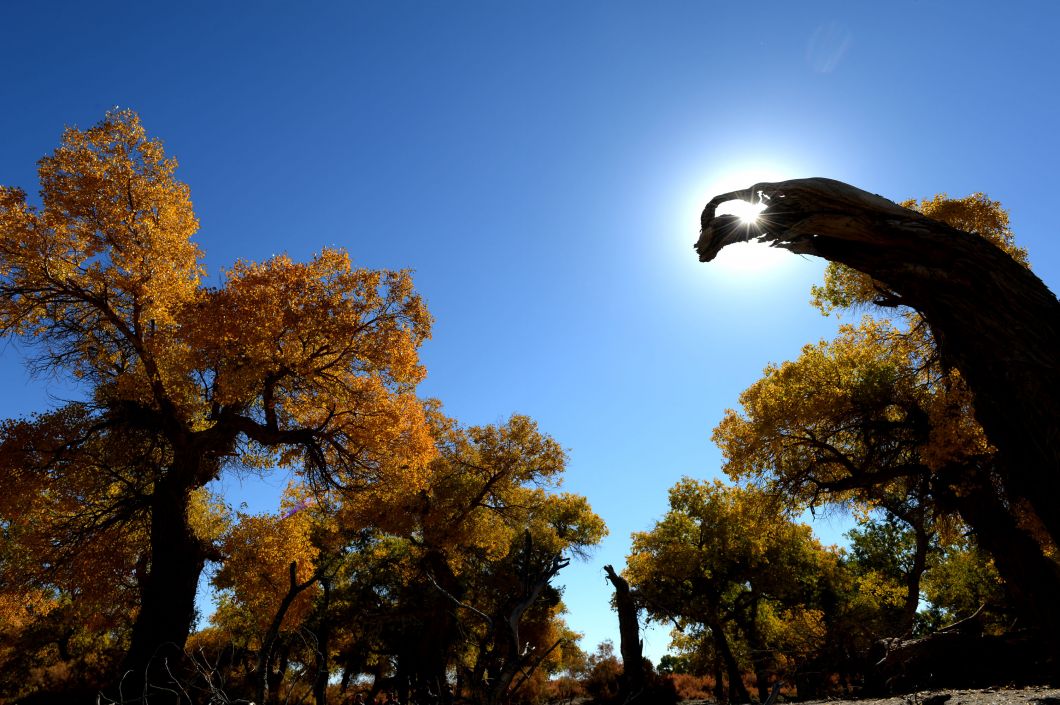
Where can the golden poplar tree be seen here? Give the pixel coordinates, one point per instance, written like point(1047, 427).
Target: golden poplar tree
point(307, 365)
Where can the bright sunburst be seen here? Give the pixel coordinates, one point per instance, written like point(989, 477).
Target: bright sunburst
point(750, 262)
point(746, 212)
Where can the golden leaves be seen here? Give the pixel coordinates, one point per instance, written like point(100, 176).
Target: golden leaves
point(259, 550)
point(720, 547)
point(842, 420)
point(488, 486)
point(114, 233)
point(107, 278)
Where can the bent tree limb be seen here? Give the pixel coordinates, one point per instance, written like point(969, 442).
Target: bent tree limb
point(993, 319)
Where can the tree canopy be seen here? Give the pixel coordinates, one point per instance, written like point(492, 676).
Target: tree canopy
point(307, 365)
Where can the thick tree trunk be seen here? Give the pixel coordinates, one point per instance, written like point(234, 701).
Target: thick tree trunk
point(167, 610)
point(1032, 580)
point(629, 632)
point(720, 694)
point(993, 318)
point(441, 630)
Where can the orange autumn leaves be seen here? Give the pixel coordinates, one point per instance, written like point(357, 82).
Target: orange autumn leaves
point(312, 366)
point(308, 366)
point(106, 280)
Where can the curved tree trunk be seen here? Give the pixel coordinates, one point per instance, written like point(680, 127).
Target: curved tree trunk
point(993, 318)
point(913, 578)
point(1032, 580)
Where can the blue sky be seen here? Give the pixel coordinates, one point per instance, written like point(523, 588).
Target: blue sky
point(541, 167)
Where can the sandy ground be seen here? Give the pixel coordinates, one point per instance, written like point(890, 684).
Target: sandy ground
point(1033, 695)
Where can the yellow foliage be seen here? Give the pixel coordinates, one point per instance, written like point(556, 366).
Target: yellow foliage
point(315, 363)
point(488, 485)
point(877, 591)
point(259, 551)
point(857, 419)
point(208, 516)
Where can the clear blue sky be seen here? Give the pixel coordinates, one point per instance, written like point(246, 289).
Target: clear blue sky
point(541, 165)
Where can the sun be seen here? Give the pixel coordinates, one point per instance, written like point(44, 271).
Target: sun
point(746, 212)
point(747, 258)
point(738, 267)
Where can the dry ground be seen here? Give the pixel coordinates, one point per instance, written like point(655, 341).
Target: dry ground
point(1033, 695)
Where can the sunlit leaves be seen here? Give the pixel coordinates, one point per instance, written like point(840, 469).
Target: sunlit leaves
point(730, 561)
point(109, 257)
point(255, 575)
point(106, 280)
point(307, 365)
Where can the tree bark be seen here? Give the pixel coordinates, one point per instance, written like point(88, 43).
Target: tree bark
point(993, 319)
point(631, 647)
point(759, 650)
point(1032, 580)
point(167, 610)
point(506, 626)
point(720, 694)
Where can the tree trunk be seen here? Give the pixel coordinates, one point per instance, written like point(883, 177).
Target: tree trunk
point(264, 678)
point(993, 319)
point(737, 690)
point(960, 657)
point(507, 659)
point(167, 610)
point(720, 694)
point(275, 676)
point(633, 679)
point(320, 686)
point(1032, 580)
point(759, 651)
point(912, 580)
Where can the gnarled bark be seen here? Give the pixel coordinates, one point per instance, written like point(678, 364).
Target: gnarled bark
point(993, 319)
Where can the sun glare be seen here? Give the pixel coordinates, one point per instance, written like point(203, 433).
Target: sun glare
point(746, 212)
point(747, 258)
point(748, 263)
point(750, 258)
